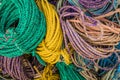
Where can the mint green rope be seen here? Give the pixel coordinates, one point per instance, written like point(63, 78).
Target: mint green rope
point(31, 28)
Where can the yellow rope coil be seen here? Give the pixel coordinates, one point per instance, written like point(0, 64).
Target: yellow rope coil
point(50, 49)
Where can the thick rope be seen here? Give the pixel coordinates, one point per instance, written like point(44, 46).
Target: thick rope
point(24, 36)
point(50, 49)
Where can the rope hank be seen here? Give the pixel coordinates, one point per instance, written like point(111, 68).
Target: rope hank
point(50, 49)
point(17, 68)
point(22, 27)
point(95, 7)
point(67, 72)
point(89, 37)
point(100, 8)
point(59, 39)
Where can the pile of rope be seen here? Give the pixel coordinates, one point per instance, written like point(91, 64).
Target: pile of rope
point(59, 39)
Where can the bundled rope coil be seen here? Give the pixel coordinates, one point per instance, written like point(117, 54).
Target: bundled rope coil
point(101, 7)
point(59, 40)
point(50, 49)
point(24, 36)
point(95, 7)
point(17, 68)
point(98, 37)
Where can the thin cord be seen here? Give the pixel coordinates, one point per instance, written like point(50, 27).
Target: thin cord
point(17, 68)
point(95, 8)
point(93, 34)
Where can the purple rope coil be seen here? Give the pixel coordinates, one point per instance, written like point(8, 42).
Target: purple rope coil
point(95, 7)
point(93, 3)
point(90, 38)
point(18, 68)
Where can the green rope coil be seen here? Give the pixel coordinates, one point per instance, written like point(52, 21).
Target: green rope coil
point(68, 72)
point(22, 27)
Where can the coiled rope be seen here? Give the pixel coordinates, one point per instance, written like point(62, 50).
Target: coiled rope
point(98, 37)
point(100, 7)
point(17, 68)
point(50, 49)
point(95, 7)
point(16, 40)
point(86, 29)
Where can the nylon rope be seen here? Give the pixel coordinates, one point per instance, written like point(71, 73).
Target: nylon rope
point(16, 40)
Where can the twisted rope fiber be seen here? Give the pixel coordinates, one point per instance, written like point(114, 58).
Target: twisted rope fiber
point(112, 74)
point(23, 38)
point(102, 16)
point(102, 39)
point(112, 16)
point(96, 72)
point(51, 49)
point(93, 3)
point(85, 68)
point(101, 74)
point(101, 43)
point(49, 73)
point(17, 68)
point(107, 63)
point(95, 7)
point(109, 75)
point(98, 37)
point(117, 73)
point(68, 72)
point(103, 8)
point(87, 74)
point(26, 69)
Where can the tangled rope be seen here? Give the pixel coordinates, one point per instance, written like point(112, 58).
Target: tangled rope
point(95, 7)
point(98, 37)
point(49, 73)
point(17, 68)
point(109, 75)
point(100, 7)
point(50, 49)
point(116, 75)
point(59, 40)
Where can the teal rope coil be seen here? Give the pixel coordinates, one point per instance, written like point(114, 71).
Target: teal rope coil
point(68, 72)
point(22, 27)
